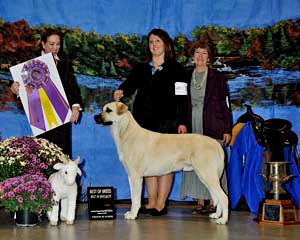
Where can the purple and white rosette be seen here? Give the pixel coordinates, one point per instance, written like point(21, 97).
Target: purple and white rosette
point(36, 75)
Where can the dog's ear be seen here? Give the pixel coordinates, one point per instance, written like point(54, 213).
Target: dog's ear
point(121, 108)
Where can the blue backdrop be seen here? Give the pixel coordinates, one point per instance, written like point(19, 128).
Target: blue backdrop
point(93, 143)
point(139, 16)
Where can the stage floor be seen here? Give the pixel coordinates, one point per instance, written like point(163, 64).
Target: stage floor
point(179, 224)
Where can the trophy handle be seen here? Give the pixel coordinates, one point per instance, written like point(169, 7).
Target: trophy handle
point(264, 176)
point(288, 178)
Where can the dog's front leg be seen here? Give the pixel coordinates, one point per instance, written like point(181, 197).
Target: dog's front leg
point(135, 183)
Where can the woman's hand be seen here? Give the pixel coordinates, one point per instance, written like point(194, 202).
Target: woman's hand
point(75, 114)
point(226, 139)
point(118, 94)
point(182, 129)
point(15, 88)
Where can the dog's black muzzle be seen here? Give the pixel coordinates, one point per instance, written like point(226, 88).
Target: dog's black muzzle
point(99, 120)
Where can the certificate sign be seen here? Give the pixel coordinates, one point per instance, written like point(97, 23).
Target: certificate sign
point(42, 94)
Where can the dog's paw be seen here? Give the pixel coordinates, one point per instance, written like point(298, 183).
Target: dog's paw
point(69, 222)
point(53, 223)
point(129, 215)
point(214, 215)
point(221, 220)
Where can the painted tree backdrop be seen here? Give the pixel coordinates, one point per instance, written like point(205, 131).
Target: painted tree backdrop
point(257, 47)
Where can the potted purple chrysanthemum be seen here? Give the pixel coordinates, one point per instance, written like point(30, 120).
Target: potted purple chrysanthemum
point(27, 194)
point(21, 155)
point(25, 165)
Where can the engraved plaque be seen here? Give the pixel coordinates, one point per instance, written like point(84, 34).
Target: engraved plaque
point(272, 213)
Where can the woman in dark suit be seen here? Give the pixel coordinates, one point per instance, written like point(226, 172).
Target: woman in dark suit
point(160, 105)
point(51, 41)
point(210, 115)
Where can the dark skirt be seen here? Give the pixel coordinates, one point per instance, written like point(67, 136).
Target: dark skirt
point(61, 136)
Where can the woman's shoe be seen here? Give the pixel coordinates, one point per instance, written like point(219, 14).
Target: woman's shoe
point(155, 212)
point(211, 209)
point(144, 210)
point(199, 209)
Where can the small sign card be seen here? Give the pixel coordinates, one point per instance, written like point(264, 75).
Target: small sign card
point(101, 203)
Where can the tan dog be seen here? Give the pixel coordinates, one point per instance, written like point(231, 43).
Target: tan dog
point(147, 153)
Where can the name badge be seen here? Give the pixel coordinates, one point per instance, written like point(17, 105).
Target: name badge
point(180, 88)
point(227, 102)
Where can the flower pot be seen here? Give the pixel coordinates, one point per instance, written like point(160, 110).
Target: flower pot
point(26, 218)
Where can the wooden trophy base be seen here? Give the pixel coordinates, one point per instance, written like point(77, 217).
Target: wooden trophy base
point(279, 212)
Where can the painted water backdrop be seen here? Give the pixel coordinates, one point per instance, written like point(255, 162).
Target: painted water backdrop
point(270, 93)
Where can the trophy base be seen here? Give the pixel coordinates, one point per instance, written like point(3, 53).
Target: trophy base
point(279, 212)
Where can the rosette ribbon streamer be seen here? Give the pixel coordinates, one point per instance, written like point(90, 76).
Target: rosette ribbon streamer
point(44, 99)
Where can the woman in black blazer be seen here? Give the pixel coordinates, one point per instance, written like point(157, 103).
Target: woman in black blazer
point(51, 41)
point(160, 105)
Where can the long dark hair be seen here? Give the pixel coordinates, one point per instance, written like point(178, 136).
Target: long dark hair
point(47, 32)
point(167, 40)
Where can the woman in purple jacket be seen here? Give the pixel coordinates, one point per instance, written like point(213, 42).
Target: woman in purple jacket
point(210, 115)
